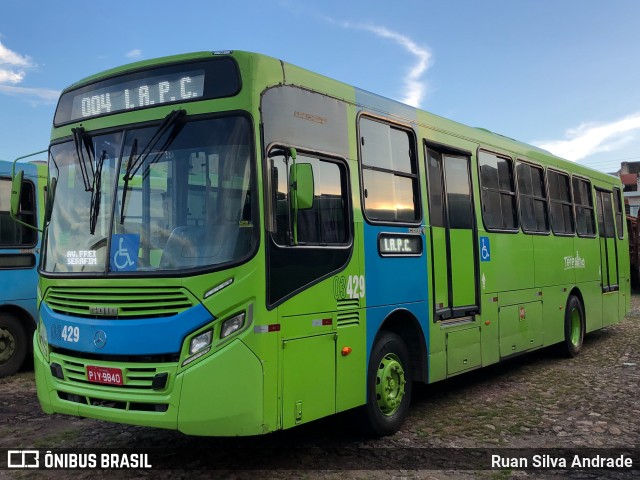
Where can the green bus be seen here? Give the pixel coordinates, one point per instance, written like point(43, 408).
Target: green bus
point(237, 245)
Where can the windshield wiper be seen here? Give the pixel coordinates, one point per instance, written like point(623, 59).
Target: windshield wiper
point(92, 181)
point(169, 121)
point(173, 120)
point(95, 194)
point(80, 139)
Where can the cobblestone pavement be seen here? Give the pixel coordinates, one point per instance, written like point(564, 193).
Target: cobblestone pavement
point(536, 401)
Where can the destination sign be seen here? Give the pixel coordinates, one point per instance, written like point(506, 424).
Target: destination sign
point(399, 244)
point(149, 87)
point(138, 93)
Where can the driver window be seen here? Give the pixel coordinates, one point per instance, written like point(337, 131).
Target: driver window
point(322, 224)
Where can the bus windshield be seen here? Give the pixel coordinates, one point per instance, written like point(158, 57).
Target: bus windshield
point(152, 198)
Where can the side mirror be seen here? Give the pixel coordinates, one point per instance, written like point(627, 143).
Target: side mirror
point(302, 185)
point(16, 194)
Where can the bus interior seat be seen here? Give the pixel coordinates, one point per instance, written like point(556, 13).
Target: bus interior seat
point(308, 226)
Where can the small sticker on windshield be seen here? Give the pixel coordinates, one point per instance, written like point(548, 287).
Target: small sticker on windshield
point(82, 257)
point(124, 252)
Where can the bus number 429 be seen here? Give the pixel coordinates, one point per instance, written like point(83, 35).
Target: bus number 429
point(348, 287)
point(70, 334)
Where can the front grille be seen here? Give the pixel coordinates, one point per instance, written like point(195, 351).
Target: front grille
point(118, 302)
point(119, 405)
point(99, 357)
point(141, 378)
point(133, 377)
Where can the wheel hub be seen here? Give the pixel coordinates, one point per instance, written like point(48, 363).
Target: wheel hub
point(575, 327)
point(390, 382)
point(7, 345)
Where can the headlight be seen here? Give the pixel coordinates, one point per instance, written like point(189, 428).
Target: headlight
point(200, 342)
point(232, 325)
point(199, 346)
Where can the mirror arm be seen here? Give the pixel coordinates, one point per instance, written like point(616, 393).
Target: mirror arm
point(13, 169)
point(13, 175)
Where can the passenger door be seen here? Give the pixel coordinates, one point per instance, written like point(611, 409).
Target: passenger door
point(609, 274)
point(453, 233)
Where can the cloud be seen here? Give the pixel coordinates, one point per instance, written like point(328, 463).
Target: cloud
point(135, 53)
point(415, 87)
point(10, 76)
point(13, 67)
point(45, 94)
point(590, 138)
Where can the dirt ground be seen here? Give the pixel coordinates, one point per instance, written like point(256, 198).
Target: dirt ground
point(538, 401)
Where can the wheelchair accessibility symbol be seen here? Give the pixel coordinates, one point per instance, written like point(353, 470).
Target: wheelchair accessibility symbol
point(124, 252)
point(485, 249)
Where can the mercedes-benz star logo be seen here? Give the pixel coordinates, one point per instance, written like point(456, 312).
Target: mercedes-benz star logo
point(100, 339)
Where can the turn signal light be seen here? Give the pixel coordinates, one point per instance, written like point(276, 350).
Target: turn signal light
point(345, 351)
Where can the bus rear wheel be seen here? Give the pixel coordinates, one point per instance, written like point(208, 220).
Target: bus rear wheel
point(574, 327)
point(13, 344)
point(388, 385)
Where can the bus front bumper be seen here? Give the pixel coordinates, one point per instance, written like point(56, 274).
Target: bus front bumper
point(220, 395)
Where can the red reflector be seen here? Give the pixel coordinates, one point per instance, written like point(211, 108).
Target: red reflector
point(326, 321)
point(345, 351)
point(274, 327)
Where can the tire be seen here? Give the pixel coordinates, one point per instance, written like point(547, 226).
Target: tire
point(574, 327)
point(389, 386)
point(13, 344)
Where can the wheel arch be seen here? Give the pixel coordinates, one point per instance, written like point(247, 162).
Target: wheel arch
point(575, 291)
point(23, 316)
point(404, 324)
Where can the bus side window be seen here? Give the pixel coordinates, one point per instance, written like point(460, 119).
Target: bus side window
point(583, 200)
point(533, 198)
point(12, 233)
point(619, 212)
point(389, 173)
point(562, 221)
point(498, 192)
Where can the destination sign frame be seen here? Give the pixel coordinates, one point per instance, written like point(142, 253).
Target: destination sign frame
point(399, 244)
point(182, 82)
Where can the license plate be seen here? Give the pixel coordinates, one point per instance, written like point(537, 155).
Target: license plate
point(107, 375)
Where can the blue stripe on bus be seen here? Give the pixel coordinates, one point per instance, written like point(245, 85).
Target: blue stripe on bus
point(393, 283)
point(148, 336)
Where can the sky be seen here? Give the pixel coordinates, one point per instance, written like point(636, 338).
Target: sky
point(560, 74)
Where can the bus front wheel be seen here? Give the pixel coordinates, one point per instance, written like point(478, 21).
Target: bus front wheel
point(388, 385)
point(13, 344)
point(574, 327)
